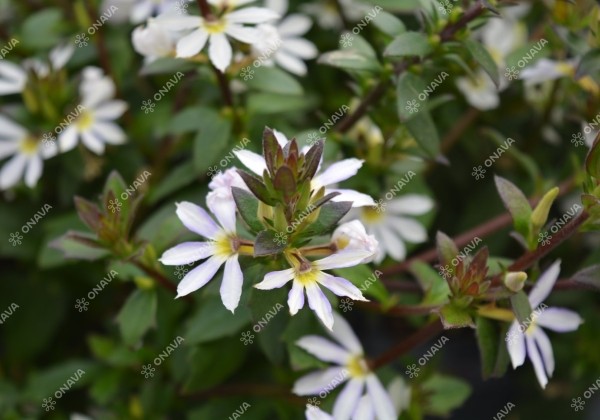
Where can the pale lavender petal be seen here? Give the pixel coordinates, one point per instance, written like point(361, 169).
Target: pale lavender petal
point(339, 171)
point(253, 161)
point(296, 297)
point(382, 403)
point(318, 381)
point(544, 285)
point(358, 199)
point(342, 259)
point(324, 349)
point(252, 15)
point(536, 360)
point(340, 286)
point(545, 347)
point(275, 279)
point(192, 44)
point(516, 346)
point(219, 51)
point(187, 252)
point(318, 302)
point(231, 286)
point(199, 276)
point(347, 400)
point(559, 319)
point(196, 219)
point(343, 334)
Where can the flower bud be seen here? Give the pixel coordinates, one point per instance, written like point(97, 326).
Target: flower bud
point(352, 235)
point(515, 281)
point(540, 214)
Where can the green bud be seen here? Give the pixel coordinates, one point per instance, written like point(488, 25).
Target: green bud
point(540, 214)
point(514, 281)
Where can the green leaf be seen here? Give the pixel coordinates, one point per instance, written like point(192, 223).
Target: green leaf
point(454, 316)
point(137, 315)
point(589, 276)
point(41, 30)
point(79, 245)
point(592, 161)
point(167, 65)
point(489, 342)
point(349, 60)
point(117, 186)
point(257, 187)
point(188, 120)
point(483, 57)
point(211, 142)
point(408, 44)
point(213, 321)
point(329, 216)
point(436, 288)
point(267, 243)
point(366, 280)
point(445, 394)
point(247, 205)
point(408, 89)
point(89, 213)
point(389, 24)
point(275, 103)
point(521, 306)
point(516, 203)
point(446, 248)
point(180, 176)
point(274, 80)
point(269, 317)
point(44, 383)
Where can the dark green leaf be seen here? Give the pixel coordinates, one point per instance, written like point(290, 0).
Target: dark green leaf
point(408, 44)
point(483, 57)
point(436, 288)
point(257, 187)
point(213, 321)
point(247, 206)
point(272, 79)
point(454, 316)
point(521, 306)
point(329, 216)
point(592, 161)
point(79, 245)
point(137, 315)
point(268, 243)
point(445, 394)
point(516, 203)
point(349, 60)
point(212, 141)
point(446, 248)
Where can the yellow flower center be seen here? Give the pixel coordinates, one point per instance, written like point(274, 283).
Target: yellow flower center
point(225, 246)
point(215, 26)
point(371, 215)
point(307, 277)
point(566, 69)
point(357, 367)
point(85, 121)
point(28, 145)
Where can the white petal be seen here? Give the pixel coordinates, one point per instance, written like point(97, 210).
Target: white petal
point(219, 51)
point(536, 360)
point(347, 400)
point(559, 319)
point(340, 286)
point(34, 171)
point(110, 110)
point(243, 33)
point(318, 381)
point(342, 259)
point(301, 48)
point(109, 132)
point(278, 6)
point(544, 285)
point(67, 140)
point(516, 345)
point(364, 409)
point(12, 171)
point(11, 130)
point(224, 209)
point(543, 343)
point(8, 148)
point(187, 252)
point(313, 412)
point(281, 138)
point(60, 55)
point(294, 25)
point(251, 15)
point(253, 161)
point(296, 298)
point(410, 230)
point(339, 171)
point(92, 142)
point(382, 403)
point(343, 334)
point(275, 279)
point(358, 199)
point(141, 11)
point(392, 244)
point(199, 276)
point(290, 62)
point(318, 302)
point(192, 44)
point(324, 349)
point(231, 286)
point(177, 23)
point(413, 204)
point(196, 219)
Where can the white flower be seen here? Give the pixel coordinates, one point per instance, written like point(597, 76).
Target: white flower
point(153, 41)
point(222, 249)
point(336, 172)
point(14, 77)
point(144, 9)
point(479, 90)
point(501, 36)
point(328, 15)
point(392, 228)
point(350, 365)
point(221, 196)
point(352, 235)
point(544, 70)
point(27, 154)
point(94, 123)
point(282, 42)
point(534, 342)
point(309, 275)
point(215, 32)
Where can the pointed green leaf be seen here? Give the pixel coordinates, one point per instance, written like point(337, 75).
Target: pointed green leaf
point(454, 316)
point(267, 243)
point(446, 248)
point(521, 306)
point(349, 60)
point(516, 203)
point(592, 161)
point(483, 57)
point(257, 187)
point(137, 315)
point(435, 287)
point(329, 216)
point(247, 206)
point(408, 44)
point(274, 80)
point(589, 276)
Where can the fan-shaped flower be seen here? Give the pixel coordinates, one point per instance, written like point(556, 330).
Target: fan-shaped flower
point(534, 342)
point(153, 41)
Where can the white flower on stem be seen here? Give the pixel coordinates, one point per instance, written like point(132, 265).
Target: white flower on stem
point(309, 275)
point(350, 365)
point(353, 235)
point(534, 342)
point(94, 123)
point(392, 228)
point(28, 154)
point(14, 77)
point(545, 70)
point(479, 90)
point(153, 41)
point(222, 248)
point(215, 32)
point(336, 172)
point(282, 43)
point(221, 195)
